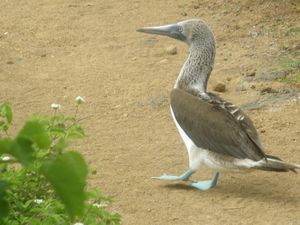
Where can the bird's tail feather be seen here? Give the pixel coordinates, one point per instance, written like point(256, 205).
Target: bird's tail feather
point(273, 163)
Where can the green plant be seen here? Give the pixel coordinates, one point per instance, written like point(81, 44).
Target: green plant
point(291, 79)
point(292, 67)
point(288, 63)
point(42, 182)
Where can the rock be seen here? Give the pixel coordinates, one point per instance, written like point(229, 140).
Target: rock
point(220, 87)
point(268, 90)
point(171, 50)
point(285, 91)
point(254, 34)
point(183, 13)
point(10, 62)
point(250, 73)
point(237, 27)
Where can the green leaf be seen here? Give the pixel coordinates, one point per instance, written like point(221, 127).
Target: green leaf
point(58, 129)
point(4, 208)
point(67, 174)
point(9, 114)
point(35, 132)
point(61, 145)
point(5, 127)
point(20, 148)
point(6, 111)
point(75, 132)
point(23, 151)
point(75, 135)
point(6, 145)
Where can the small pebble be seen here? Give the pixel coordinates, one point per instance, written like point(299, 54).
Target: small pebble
point(171, 50)
point(10, 62)
point(250, 73)
point(237, 27)
point(268, 90)
point(220, 87)
point(183, 13)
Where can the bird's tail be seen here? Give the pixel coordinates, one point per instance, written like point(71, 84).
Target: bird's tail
point(273, 163)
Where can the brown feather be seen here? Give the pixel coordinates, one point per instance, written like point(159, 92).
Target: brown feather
point(210, 125)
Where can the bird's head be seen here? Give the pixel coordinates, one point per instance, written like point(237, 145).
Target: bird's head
point(189, 31)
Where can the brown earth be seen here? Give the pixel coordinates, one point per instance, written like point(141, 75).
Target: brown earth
point(53, 50)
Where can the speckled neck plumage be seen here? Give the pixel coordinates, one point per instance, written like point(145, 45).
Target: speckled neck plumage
point(196, 70)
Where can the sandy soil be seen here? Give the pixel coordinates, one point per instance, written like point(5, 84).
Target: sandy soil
point(52, 51)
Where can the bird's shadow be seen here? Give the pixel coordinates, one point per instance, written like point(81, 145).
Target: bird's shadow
point(248, 190)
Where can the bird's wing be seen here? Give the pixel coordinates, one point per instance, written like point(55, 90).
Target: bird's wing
point(212, 125)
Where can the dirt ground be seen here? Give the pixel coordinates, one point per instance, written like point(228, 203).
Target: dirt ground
point(53, 50)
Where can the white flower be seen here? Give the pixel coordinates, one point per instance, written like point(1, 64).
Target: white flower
point(78, 224)
point(5, 158)
point(97, 205)
point(38, 201)
point(55, 106)
point(79, 100)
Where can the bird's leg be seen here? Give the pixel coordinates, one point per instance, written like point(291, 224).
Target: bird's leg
point(206, 184)
point(184, 176)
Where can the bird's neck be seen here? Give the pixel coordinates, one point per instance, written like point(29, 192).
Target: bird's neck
point(195, 72)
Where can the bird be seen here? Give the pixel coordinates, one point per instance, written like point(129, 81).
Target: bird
point(216, 133)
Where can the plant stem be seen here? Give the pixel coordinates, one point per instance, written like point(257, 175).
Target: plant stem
point(75, 116)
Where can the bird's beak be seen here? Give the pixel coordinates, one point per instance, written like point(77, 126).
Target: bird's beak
point(170, 30)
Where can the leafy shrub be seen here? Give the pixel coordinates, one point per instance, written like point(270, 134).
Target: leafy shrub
point(41, 181)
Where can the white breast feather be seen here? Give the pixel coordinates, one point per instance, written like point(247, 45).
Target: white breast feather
point(199, 156)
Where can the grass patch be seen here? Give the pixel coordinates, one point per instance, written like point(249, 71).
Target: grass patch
point(291, 79)
point(292, 66)
point(295, 29)
point(288, 63)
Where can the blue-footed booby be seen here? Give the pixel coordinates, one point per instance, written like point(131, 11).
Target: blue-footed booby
point(216, 133)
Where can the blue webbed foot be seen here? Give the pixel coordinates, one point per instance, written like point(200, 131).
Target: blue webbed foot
point(206, 184)
point(184, 176)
